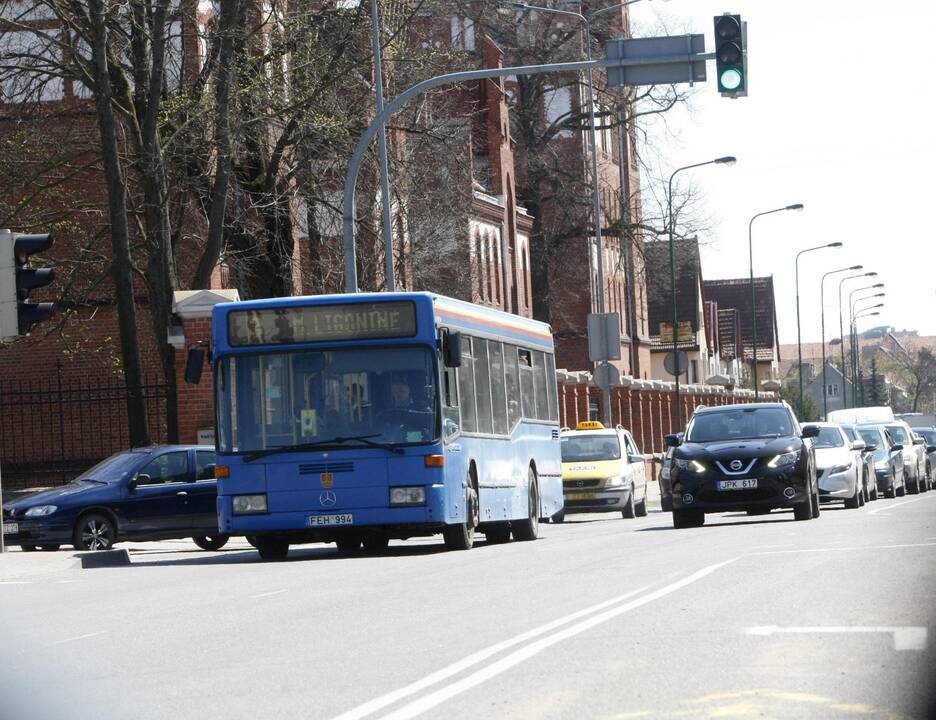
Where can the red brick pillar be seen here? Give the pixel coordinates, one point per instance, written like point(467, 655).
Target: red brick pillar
point(643, 412)
point(581, 402)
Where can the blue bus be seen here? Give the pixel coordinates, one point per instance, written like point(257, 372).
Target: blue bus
point(355, 419)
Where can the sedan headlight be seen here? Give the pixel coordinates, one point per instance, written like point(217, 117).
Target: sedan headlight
point(249, 504)
point(408, 495)
point(784, 459)
point(693, 465)
point(835, 469)
point(40, 511)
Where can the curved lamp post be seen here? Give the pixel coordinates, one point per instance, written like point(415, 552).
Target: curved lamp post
point(825, 389)
point(726, 160)
point(868, 313)
point(797, 207)
point(799, 339)
point(851, 323)
point(842, 335)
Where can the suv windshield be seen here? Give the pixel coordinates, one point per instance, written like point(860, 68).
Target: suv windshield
point(828, 437)
point(284, 400)
point(739, 424)
point(576, 448)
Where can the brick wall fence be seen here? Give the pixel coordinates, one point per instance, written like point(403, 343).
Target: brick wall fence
point(644, 407)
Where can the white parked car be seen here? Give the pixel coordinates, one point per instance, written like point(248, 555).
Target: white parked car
point(914, 454)
point(839, 465)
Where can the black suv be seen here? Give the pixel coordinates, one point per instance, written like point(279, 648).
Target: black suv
point(753, 458)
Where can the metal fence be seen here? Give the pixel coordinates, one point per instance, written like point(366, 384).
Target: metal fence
point(52, 429)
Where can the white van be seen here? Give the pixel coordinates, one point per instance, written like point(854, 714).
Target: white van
point(862, 415)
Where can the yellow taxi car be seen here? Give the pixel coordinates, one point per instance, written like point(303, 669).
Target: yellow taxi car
point(602, 471)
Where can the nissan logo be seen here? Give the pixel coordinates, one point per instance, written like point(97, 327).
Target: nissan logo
point(736, 465)
point(328, 498)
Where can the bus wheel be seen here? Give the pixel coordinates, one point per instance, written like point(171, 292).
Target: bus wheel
point(529, 529)
point(273, 548)
point(461, 535)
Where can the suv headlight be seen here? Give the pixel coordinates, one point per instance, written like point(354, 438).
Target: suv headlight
point(693, 465)
point(249, 504)
point(40, 511)
point(784, 459)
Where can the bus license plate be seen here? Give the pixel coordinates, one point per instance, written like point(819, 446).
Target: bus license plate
point(746, 484)
point(328, 520)
point(581, 496)
point(10, 528)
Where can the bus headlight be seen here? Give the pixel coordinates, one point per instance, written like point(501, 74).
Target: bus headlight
point(249, 504)
point(407, 495)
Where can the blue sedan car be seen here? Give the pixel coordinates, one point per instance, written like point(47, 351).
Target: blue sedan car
point(151, 493)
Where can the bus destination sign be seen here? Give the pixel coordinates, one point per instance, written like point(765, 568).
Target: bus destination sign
point(322, 323)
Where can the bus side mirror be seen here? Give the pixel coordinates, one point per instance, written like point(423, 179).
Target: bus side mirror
point(194, 364)
point(451, 349)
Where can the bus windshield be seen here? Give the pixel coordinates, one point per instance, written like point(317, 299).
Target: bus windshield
point(288, 399)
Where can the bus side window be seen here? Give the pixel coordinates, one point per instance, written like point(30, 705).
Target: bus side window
point(552, 388)
point(527, 393)
point(498, 388)
point(466, 387)
point(450, 405)
point(482, 386)
point(540, 385)
point(512, 382)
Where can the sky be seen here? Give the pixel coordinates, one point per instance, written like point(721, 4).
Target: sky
point(839, 117)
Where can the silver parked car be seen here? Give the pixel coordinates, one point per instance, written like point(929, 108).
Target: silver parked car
point(865, 457)
point(839, 466)
point(914, 454)
point(888, 460)
point(929, 437)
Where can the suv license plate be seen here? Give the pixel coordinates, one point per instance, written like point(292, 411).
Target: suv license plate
point(746, 484)
point(328, 520)
point(10, 528)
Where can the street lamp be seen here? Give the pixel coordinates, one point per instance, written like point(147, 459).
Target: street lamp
point(867, 313)
point(799, 339)
point(593, 140)
point(797, 207)
point(842, 334)
point(853, 334)
point(726, 160)
point(825, 389)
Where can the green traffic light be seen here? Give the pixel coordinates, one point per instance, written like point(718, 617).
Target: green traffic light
point(731, 79)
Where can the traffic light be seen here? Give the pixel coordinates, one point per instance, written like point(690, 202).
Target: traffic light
point(731, 55)
point(17, 280)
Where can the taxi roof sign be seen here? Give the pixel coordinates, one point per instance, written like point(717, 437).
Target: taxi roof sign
point(589, 425)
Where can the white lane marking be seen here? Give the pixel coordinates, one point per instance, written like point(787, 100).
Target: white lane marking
point(427, 702)
point(15, 582)
point(79, 637)
point(267, 594)
point(909, 637)
point(63, 582)
point(383, 701)
point(772, 547)
point(891, 506)
point(845, 549)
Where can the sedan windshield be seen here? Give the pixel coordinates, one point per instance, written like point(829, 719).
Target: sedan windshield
point(114, 468)
point(829, 437)
point(343, 397)
point(739, 424)
point(576, 448)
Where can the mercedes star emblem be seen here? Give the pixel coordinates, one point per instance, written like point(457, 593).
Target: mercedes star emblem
point(328, 498)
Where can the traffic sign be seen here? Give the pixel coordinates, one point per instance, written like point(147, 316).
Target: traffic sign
point(666, 71)
point(606, 376)
point(670, 363)
point(604, 336)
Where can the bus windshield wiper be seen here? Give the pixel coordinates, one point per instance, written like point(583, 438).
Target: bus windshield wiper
point(319, 444)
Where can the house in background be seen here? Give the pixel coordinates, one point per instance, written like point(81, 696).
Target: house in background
point(698, 332)
point(735, 293)
point(838, 388)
